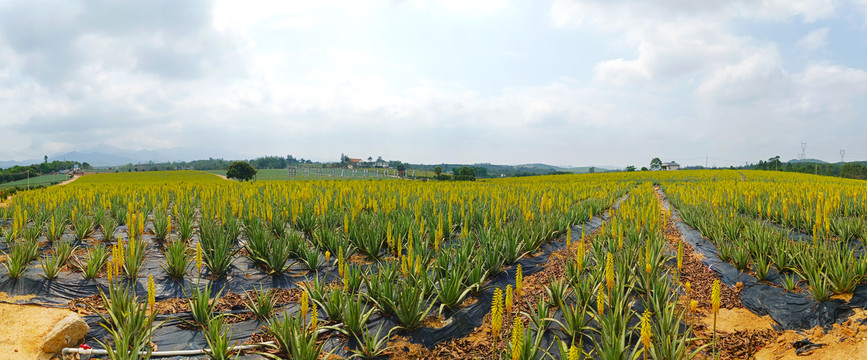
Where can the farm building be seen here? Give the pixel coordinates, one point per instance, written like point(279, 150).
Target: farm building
point(670, 166)
point(353, 163)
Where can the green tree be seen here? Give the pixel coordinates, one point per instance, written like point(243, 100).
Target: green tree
point(465, 173)
point(655, 164)
point(240, 170)
point(774, 162)
point(630, 168)
point(438, 170)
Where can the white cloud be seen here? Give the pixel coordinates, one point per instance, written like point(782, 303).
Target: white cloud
point(673, 50)
point(758, 76)
point(828, 88)
point(813, 41)
point(319, 78)
point(474, 8)
point(779, 10)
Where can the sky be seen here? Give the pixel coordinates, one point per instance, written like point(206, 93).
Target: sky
point(562, 82)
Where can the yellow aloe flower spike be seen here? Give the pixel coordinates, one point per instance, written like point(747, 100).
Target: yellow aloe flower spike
point(609, 271)
point(574, 353)
point(151, 293)
point(645, 332)
point(509, 299)
point(305, 305)
point(600, 302)
point(199, 257)
point(517, 338)
point(496, 314)
point(715, 297)
point(314, 319)
point(519, 282)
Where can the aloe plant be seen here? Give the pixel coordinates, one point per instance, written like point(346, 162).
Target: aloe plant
point(83, 227)
point(219, 338)
point(162, 225)
point(201, 305)
point(264, 249)
point(295, 338)
point(56, 227)
point(333, 303)
point(452, 289)
point(19, 257)
point(94, 260)
point(311, 258)
point(186, 226)
point(410, 304)
point(261, 303)
point(32, 233)
point(135, 249)
point(177, 259)
point(129, 323)
point(218, 247)
point(355, 315)
point(108, 224)
point(371, 346)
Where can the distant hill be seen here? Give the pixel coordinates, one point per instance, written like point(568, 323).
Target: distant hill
point(494, 170)
point(105, 156)
point(796, 161)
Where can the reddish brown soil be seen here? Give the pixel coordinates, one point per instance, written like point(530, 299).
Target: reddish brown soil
point(740, 333)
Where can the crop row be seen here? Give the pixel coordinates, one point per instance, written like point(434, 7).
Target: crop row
point(748, 221)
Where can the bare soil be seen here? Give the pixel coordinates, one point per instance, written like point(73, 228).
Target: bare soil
point(740, 333)
point(847, 340)
point(73, 178)
point(23, 328)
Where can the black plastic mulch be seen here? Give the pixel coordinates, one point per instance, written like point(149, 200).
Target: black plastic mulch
point(792, 311)
point(244, 275)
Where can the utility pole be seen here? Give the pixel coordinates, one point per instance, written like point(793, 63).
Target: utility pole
point(803, 154)
point(28, 179)
point(705, 161)
point(842, 155)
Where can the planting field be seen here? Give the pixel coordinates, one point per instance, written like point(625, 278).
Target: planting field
point(662, 265)
point(36, 181)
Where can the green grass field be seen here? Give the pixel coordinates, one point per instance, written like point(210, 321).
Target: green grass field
point(44, 180)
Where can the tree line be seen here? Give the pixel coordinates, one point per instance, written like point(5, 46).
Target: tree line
point(851, 170)
point(18, 172)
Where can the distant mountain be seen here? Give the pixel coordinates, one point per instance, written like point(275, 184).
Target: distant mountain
point(11, 163)
point(795, 161)
point(106, 155)
point(572, 169)
point(97, 158)
point(494, 170)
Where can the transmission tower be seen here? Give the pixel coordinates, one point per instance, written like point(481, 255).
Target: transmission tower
point(842, 154)
point(803, 154)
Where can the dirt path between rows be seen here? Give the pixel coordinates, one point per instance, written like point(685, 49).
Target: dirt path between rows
point(740, 333)
point(74, 177)
point(222, 177)
point(745, 335)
